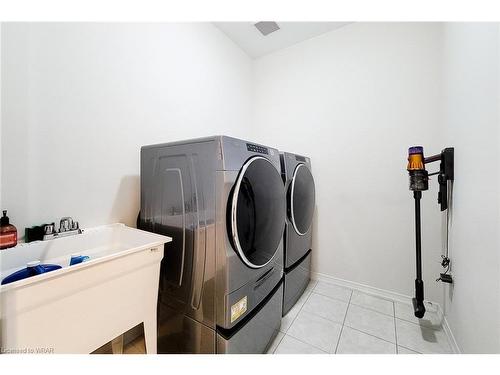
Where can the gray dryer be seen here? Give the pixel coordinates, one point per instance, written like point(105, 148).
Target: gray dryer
point(300, 197)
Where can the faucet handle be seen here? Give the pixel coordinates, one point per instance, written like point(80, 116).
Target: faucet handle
point(49, 229)
point(65, 224)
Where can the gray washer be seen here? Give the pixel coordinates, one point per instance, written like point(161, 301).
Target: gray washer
point(223, 202)
point(300, 197)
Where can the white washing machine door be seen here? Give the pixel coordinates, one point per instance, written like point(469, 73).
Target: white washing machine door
point(257, 209)
point(301, 199)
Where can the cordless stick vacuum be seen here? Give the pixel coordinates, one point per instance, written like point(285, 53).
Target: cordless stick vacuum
point(419, 181)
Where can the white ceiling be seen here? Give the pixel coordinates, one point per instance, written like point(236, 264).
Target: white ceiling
point(245, 35)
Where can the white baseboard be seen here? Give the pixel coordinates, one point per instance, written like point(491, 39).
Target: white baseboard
point(362, 287)
point(388, 295)
point(449, 333)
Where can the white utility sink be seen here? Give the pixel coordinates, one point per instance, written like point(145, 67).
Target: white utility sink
point(77, 309)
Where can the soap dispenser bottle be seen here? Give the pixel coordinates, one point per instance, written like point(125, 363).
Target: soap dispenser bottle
point(8, 232)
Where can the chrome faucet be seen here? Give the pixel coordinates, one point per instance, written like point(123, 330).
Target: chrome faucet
point(67, 227)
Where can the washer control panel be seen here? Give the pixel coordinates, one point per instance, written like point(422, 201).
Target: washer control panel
point(257, 148)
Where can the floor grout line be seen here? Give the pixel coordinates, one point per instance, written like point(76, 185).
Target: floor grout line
point(375, 311)
point(329, 297)
point(303, 342)
point(373, 295)
point(278, 344)
point(335, 298)
point(330, 320)
point(371, 309)
point(343, 323)
point(420, 325)
point(372, 335)
point(395, 329)
point(413, 350)
point(319, 317)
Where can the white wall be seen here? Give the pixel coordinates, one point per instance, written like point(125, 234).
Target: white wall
point(471, 104)
point(80, 99)
point(354, 100)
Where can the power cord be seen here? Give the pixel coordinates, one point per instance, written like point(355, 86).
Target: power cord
point(445, 260)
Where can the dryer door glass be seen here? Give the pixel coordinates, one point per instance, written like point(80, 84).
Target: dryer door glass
point(257, 212)
point(302, 199)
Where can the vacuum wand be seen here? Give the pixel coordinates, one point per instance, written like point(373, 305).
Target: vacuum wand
point(418, 301)
point(419, 181)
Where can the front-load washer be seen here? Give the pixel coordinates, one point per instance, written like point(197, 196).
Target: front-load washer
point(300, 197)
point(222, 200)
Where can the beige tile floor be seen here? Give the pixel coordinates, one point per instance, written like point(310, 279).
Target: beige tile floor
point(332, 319)
point(136, 346)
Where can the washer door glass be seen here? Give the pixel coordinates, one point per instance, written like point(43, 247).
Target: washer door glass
point(257, 213)
point(302, 199)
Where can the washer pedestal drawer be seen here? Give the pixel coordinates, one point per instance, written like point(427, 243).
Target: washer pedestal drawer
point(256, 334)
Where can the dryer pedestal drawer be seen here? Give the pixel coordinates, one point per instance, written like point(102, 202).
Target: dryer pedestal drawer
point(296, 280)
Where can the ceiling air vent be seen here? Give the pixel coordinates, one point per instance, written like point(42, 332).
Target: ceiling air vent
point(267, 27)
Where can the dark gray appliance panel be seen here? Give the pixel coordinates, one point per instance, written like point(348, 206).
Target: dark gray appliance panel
point(180, 203)
point(176, 211)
